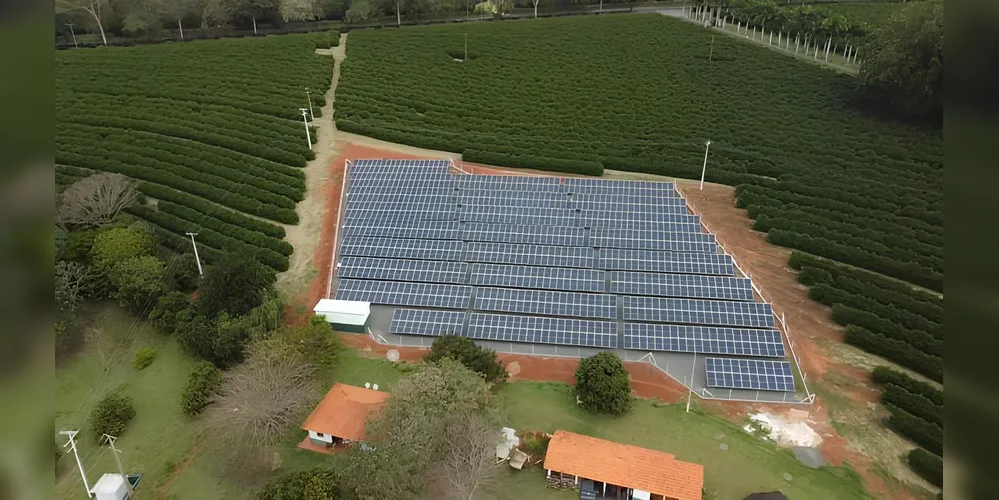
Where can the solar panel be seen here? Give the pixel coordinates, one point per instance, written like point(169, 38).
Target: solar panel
point(749, 374)
point(681, 285)
point(508, 328)
point(664, 262)
point(421, 196)
point(530, 255)
point(516, 215)
point(431, 230)
point(404, 294)
point(546, 302)
point(546, 278)
point(677, 223)
point(602, 186)
point(402, 248)
point(509, 183)
point(531, 235)
point(698, 312)
point(428, 271)
point(515, 199)
point(647, 240)
point(604, 218)
point(427, 322)
point(703, 340)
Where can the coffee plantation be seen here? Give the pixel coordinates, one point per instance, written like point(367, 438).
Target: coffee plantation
point(211, 129)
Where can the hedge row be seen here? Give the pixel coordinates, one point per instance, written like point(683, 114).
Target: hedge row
point(895, 350)
point(830, 296)
point(205, 207)
point(907, 271)
point(927, 465)
point(874, 285)
point(229, 198)
point(180, 244)
point(326, 39)
point(212, 238)
point(921, 432)
point(247, 236)
point(884, 375)
point(594, 168)
point(923, 341)
point(916, 405)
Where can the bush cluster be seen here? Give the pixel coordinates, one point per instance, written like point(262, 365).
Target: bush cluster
point(920, 340)
point(201, 387)
point(465, 351)
point(927, 465)
point(111, 415)
point(884, 375)
point(144, 357)
point(918, 406)
point(925, 434)
point(895, 350)
point(603, 384)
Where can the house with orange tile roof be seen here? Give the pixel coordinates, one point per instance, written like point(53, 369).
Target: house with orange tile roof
point(341, 416)
point(620, 471)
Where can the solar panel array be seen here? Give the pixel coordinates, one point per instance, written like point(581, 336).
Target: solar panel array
point(547, 260)
point(749, 374)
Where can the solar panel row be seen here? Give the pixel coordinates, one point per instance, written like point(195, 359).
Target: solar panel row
point(525, 234)
point(546, 303)
point(698, 312)
point(616, 259)
point(427, 271)
point(395, 248)
point(530, 255)
point(545, 278)
point(399, 293)
point(431, 230)
point(427, 322)
point(575, 332)
point(703, 340)
point(749, 374)
point(681, 285)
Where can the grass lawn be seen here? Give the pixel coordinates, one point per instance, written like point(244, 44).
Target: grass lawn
point(749, 465)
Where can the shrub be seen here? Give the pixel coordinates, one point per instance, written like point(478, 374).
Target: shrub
point(201, 388)
point(927, 465)
point(535, 444)
point(111, 415)
point(144, 357)
point(465, 351)
point(316, 342)
point(884, 375)
point(318, 483)
point(925, 434)
point(603, 385)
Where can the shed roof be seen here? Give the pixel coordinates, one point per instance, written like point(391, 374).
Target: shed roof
point(348, 312)
point(344, 411)
point(108, 483)
point(624, 465)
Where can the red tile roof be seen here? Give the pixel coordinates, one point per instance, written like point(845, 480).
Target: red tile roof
point(624, 465)
point(344, 411)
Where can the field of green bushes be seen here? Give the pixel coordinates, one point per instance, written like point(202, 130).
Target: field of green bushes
point(211, 129)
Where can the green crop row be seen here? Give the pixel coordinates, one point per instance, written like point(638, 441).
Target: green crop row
point(884, 375)
point(181, 244)
point(895, 350)
point(830, 295)
point(245, 235)
point(211, 237)
point(927, 465)
point(535, 162)
point(923, 341)
point(208, 208)
point(916, 405)
point(925, 434)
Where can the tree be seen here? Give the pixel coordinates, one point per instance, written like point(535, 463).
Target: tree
point(903, 61)
point(118, 245)
point(170, 310)
point(182, 272)
point(236, 284)
point(410, 433)
point(602, 384)
point(317, 483)
point(202, 388)
point(136, 281)
point(96, 200)
point(359, 11)
point(92, 7)
point(222, 341)
point(71, 279)
point(465, 351)
point(317, 342)
point(468, 465)
point(264, 397)
point(111, 415)
point(226, 10)
point(301, 10)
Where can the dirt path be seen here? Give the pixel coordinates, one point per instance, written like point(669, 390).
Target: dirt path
point(162, 491)
point(321, 177)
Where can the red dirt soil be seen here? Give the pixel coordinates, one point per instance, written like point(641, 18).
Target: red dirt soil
point(767, 264)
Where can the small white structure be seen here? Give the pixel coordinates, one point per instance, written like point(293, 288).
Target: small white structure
point(507, 444)
point(110, 487)
point(347, 315)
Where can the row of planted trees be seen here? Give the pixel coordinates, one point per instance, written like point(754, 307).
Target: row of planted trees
point(812, 29)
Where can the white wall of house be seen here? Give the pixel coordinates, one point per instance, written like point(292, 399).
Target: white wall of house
point(326, 438)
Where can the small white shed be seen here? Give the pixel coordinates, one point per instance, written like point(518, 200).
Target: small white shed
point(110, 487)
point(345, 315)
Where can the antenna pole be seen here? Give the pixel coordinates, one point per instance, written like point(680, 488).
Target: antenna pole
point(115, 452)
point(72, 445)
point(196, 258)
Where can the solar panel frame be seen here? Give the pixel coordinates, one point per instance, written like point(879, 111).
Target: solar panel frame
point(427, 271)
point(529, 255)
point(396, 248)
point(541, 278)
point(401, 293)
point(698, 312)
point(752, 374)
point(546, 302)
point(430, 322)
point(703, 340)
point(541, 330)
point(681, 285)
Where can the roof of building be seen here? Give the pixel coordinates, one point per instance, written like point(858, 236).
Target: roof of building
point(624, 465)
point(108, 483)
point(344, 411)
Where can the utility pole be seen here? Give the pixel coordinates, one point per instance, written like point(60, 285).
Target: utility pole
point(115, 452)
point(72, 445)
point(712, 51)
point(311, 114)
point(691, 388)
point(196, 258)
point(305, 118)
point(705, 167)
point(466, 46)
point(73, 32)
